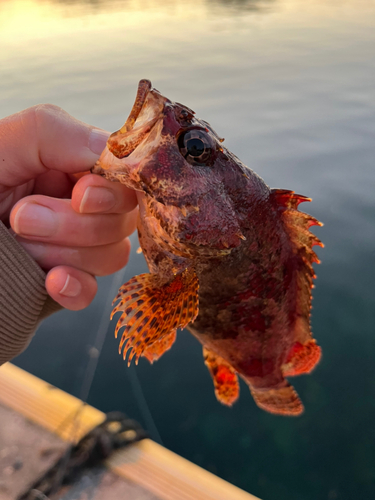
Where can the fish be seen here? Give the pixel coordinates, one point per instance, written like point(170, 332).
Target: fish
point(229, 258)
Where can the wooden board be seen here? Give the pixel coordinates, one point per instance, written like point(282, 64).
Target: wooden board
point(158, 470)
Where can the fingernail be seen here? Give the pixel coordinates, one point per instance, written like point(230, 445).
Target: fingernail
point(35, 220)
point(98, 140)
point(71, 288)
point(97, 199)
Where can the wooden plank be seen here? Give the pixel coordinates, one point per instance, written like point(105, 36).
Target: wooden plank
point(46, 405)
point(158, 470)
point(170, 476)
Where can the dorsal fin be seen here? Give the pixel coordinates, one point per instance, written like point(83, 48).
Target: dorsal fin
point(297, 226)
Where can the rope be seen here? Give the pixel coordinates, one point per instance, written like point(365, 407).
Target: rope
point(117, 431)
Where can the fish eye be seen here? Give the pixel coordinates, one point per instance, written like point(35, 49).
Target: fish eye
point(196, 146)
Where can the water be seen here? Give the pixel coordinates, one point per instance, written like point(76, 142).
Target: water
point(290, 85)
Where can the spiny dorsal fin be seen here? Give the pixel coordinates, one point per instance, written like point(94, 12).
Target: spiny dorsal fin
point(297, 223)
point(297, 226)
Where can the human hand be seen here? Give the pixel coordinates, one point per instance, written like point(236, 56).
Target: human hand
point(76, 227)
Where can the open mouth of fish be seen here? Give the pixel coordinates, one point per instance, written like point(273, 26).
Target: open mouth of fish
point(146, 112)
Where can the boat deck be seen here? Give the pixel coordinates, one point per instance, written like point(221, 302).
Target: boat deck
point(37, 424)
point(28, 451)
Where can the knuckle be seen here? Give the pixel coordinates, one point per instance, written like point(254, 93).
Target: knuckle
point(46, 109)
point(46, 114)
point(118, 259)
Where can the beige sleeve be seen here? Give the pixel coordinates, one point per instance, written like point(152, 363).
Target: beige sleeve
point(24, 301)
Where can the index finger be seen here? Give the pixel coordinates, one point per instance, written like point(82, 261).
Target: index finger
point(94, 194)
point(42, 138)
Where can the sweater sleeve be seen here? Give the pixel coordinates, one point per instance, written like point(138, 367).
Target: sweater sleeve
point(24, 301)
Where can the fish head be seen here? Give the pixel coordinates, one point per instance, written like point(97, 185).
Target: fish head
point(188, 185)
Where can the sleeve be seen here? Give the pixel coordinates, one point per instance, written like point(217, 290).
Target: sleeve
point(24, 301)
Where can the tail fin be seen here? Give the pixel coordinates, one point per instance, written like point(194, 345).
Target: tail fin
point(282, 401)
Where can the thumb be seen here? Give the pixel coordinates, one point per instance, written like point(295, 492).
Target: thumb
point(42, 138)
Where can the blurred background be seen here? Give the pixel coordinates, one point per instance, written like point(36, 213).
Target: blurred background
point(290, 85)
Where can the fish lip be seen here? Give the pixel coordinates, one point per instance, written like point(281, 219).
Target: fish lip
point(144, 87)
point(125, 141)
point(145, 113)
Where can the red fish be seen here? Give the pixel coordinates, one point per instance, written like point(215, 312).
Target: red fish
point(229, 258)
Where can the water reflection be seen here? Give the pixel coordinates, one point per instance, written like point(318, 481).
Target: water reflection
point(23, 19)
point(189, 9)
point(219, 6)
point(222, 7)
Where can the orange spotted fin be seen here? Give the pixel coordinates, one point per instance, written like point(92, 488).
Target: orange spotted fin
point(227, 388)
point(159, 347)
point(281, 401)
point(302, 358)
point(152, 310)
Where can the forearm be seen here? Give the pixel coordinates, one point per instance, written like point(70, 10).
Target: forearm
point(24, 301)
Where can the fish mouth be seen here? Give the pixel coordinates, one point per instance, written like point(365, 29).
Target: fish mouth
point(123, 142)
point(145, 113)
point(144, 86)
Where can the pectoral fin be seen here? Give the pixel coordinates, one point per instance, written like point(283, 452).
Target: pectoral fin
point(281, 401)
point(159, 347)
point(227, 388)
point(152, 310)
point(302, 358)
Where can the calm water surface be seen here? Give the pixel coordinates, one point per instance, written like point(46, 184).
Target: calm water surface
point(290, 85)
